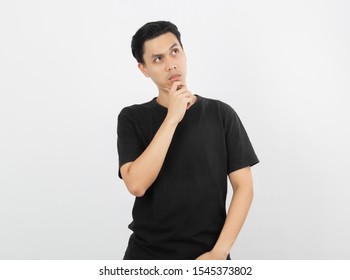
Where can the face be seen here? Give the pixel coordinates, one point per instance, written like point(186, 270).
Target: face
point(165, 61)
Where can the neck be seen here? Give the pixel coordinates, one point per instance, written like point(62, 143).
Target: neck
point(163, 99)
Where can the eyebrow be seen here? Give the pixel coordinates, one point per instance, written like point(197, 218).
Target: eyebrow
point(172, 46)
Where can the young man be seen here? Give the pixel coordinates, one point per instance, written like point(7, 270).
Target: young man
point(175, 153)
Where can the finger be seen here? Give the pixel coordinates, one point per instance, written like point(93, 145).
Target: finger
point(186, 94)
point(190, 100)
point(174, 87)
point(180, 87)
point(187, 99)
point(183, 89)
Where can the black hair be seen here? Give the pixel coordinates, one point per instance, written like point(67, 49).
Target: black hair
point(150, 31)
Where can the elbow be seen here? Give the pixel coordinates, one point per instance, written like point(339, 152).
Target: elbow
point(250, 193)
point(135, 186)
point(136, 191)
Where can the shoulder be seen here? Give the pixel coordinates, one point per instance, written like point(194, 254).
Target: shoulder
point(138, 107)
point(224, 109)
point(136, 110)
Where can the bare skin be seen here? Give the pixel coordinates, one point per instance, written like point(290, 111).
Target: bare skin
point(242, 183)
point(165, 64)
point(140, 174)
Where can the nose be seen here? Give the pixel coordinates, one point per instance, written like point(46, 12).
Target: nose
point(171, 66)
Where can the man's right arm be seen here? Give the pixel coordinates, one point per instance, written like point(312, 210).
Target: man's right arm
point(140, 174)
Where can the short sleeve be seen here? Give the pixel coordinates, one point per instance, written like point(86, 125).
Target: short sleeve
point(240, 152)
point(128, 144)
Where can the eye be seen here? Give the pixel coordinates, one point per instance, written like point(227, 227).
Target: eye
point(157, 59)
point(175, 51)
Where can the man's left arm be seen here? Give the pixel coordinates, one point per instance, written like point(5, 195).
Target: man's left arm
point(242, 183)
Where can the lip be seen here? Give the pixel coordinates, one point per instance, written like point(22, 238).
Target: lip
point(175, 77)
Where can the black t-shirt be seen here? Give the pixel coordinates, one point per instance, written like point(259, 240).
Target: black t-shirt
point(182, 214)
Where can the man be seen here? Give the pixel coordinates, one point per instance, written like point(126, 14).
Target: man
point(175, 153)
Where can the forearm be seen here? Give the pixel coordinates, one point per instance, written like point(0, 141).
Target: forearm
point(145, 169)
point(140, 174)
point(236, 216)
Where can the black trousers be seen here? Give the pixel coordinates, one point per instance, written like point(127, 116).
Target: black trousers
point(228, 257)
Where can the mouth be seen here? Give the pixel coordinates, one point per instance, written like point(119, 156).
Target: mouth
point(175, 77)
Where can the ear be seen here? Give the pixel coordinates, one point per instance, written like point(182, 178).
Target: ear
point(143, 69)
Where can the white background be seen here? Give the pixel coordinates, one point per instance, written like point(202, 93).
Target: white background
point(66, 70)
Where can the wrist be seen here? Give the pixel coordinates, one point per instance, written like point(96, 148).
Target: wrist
point(220, 253)
point(169, 122)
